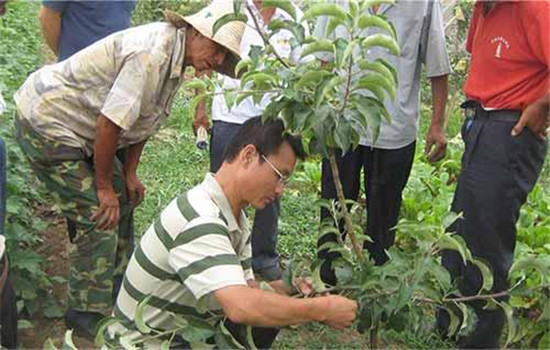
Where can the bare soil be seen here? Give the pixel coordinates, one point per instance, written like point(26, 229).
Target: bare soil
point(55, 250)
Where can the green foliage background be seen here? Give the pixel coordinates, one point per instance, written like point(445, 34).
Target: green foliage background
point(171, 164)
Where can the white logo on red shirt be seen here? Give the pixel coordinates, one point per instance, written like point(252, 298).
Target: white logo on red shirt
point(500, 41)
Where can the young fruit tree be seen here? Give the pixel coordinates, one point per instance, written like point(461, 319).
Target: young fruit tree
point(332, 105)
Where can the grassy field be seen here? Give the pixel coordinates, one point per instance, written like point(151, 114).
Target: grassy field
point(172, 164)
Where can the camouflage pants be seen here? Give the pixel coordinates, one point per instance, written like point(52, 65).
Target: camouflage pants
point(98, 257)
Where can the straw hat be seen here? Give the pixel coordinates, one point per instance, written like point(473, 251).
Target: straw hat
point(228, 36)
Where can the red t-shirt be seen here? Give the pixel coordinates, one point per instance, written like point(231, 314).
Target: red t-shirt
point(510, 49)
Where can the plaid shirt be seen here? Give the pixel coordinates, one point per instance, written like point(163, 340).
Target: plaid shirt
point(130, 77)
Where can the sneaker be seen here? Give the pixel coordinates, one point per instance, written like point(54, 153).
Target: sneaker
point(83, 323)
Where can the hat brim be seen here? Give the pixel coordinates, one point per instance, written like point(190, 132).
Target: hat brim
point(231, 59)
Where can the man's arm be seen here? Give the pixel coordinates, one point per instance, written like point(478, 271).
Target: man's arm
point(436, 142)
point(50, 22)
point(201, 117)
point(245, 305)
point(134, 187)
point(105, 144)
point(536, 117)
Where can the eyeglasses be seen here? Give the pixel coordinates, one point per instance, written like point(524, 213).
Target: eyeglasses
point(282, 179)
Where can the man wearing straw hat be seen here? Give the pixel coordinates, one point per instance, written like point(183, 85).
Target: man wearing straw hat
point(73, 116)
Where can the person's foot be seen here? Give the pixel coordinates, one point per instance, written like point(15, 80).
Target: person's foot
point(82, 322)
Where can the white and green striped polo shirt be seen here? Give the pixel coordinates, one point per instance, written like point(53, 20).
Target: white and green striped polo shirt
point(194, 248)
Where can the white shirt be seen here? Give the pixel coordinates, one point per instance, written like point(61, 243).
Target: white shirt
point(281, 42)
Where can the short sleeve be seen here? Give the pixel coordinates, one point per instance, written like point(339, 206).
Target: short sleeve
point(538, 35)
point(123, 103)
point(57, 6)
point(473, 27)
point(433, 45)
point(204, 259)
point(246, 262)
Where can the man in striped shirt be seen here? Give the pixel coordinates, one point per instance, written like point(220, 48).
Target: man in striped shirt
point(194, 262)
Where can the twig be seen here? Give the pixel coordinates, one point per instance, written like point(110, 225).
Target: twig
point(342, 199)
point(264, 37)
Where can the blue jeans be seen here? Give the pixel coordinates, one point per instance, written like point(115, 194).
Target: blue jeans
point(265, 259)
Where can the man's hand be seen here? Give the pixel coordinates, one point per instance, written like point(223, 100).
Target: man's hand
point(436, 143)
point(340, 312)
point(536, 117)
point(108, 213)
point(135, 189)
point(304, 285)
point(201, 119)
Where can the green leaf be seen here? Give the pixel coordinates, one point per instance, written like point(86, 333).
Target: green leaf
point(531, 262)
point(373, 80)
point(380, 68)
point(230, 17)
point(512, 326)
point(449, 242)
point(454, 321)
point(450, 219)
point(49, 345)
point(101, 327)
point(285, 5)
point(260, 79)
point(311, 78)
point(382, 40)
point(127, 343)
point(331, 10)
point(68, 343)
point(139, 321)
point(442, 276)
point(24, 324)
point(343, 272)
point(544, 342)
point(332, 24)
point(329, 246)
point(197, 331)
point(353, 8)
point(196, 84)
point(202, 346)
point(371, 113)
point(350, 47)
point(320, 45)
point(276, 25)
point(486, 273)
point(318, 284)
point(376, 21)
point(333, 83)
point(238, 5)
point(328, 230)
point(165, 345)
point(342, 136)
point(242, 66)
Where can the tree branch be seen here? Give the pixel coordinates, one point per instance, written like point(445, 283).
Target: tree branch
point(264, 36)
point(344, 208)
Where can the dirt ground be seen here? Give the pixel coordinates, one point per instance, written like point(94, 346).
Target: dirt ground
point(55, 250)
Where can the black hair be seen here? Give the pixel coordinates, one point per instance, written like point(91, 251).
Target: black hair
point(266, 137)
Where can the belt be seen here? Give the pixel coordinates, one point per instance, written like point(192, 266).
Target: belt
point(474, 110)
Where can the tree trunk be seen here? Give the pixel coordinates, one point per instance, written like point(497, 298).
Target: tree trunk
point(357, 248)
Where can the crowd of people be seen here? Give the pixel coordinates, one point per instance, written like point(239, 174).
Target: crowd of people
point(82, 123)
